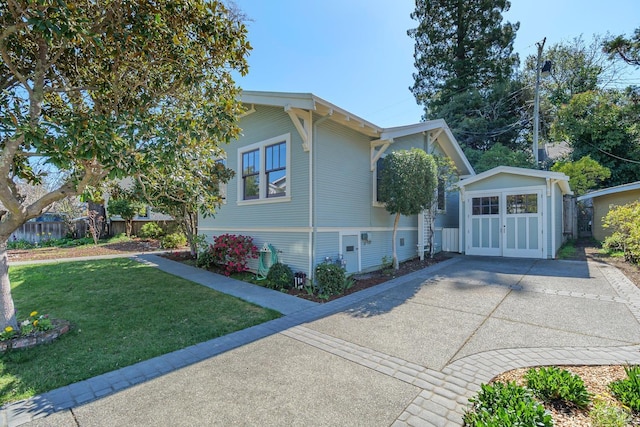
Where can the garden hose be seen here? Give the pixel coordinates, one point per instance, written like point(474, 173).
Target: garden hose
point(262, 267)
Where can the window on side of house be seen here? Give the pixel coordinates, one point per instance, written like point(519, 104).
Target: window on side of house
point(276, 169)
point(251, 175)
point(441, 196)
point(265, 166)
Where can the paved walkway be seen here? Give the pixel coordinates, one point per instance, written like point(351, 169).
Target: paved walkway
point(409, 352)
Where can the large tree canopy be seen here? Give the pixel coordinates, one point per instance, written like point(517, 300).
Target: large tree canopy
point(100, 89)
point(604, 126)
point(461, 45)
point(465, 70)
point(628, 49)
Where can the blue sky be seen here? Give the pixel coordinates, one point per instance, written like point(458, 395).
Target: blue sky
point(357, 55)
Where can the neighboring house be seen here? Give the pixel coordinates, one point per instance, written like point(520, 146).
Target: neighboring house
point(602, 201)
point(49, 225)
point(116, 225)
point(552, 152)
point(306, 178)
point(513, 212)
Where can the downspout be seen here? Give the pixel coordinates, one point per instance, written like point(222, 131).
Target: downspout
point(312, 193)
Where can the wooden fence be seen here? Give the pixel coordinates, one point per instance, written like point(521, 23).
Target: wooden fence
point(35, 232)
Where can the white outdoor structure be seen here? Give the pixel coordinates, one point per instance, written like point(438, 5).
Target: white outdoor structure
point(512, 212)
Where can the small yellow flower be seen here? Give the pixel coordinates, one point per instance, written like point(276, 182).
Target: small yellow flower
point(35, 323)
point(8, 329)
point(33, 313)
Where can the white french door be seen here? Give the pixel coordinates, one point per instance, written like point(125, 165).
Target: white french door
point(523, 225)
point(507, 223)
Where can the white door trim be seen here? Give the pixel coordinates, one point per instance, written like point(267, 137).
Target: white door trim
point(502, 216)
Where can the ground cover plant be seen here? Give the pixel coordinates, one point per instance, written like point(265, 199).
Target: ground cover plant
point(628, 390)
point(506, 404)
point(559, 389)
point(552, 384)
point(121, 312)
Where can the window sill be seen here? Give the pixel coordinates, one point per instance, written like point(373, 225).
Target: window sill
point(264, 201)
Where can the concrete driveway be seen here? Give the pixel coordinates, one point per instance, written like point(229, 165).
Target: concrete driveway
point(407, 352)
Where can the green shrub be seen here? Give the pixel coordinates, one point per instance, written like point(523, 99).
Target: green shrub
point(229, 252)
point(603, 415)
point(151, 230)
point(173, 240)
point(330, 279)
point(205, 258)
point(625, 224)
point(280, 276)
point(508, 404)
point(553, 384)
point(20, 244)
point(628, 390)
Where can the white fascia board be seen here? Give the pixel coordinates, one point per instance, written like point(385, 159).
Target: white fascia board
point(310, 102)
point(438, 124)
point(558, 176)
point(279, 99)
point(610, 190)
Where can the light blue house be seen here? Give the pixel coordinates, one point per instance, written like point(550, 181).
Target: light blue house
point(305, 183)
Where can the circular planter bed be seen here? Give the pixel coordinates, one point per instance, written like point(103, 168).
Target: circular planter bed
point(60, 327)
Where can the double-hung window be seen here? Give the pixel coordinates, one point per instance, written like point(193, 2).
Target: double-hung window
point(251, 175)
point(265, 167)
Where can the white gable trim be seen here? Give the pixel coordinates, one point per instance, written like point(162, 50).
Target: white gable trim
point(611, 190)
point(562, 179)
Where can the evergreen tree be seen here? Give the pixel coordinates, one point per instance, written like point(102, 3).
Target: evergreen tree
point(461, 46)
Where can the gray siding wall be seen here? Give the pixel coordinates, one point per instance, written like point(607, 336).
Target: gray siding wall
point(343, 187)
point(266, 123)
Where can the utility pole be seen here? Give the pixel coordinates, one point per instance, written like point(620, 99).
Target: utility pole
point(536, 103)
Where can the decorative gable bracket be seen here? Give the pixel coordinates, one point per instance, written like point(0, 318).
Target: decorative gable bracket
point(302, 121)
point(432, 137)
point(378, 147)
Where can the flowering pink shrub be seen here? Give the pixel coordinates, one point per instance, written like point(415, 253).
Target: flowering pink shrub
point(231, 252)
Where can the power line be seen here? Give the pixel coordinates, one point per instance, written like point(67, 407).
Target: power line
point(613, 155)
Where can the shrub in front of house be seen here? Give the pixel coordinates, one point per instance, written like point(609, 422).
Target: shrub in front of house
point(280, 276)
point(229, 252)
point(624, 221)
point(173, 241)
point(331, 279)
point(151, 230)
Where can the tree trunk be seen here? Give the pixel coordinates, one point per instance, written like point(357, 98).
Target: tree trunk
point(7, 309)
point(128, 224)
point(189, 225)
point(396, 264)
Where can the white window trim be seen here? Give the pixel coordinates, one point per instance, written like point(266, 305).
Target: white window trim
point(262, 199)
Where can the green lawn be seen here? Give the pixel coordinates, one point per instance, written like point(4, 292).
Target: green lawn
point(121, 311)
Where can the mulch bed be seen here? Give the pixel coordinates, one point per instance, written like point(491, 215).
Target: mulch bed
point(362, 281)
point(134, 246)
